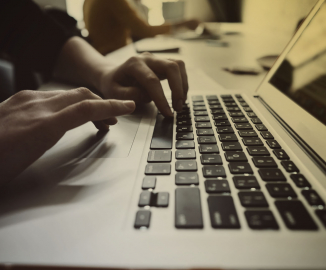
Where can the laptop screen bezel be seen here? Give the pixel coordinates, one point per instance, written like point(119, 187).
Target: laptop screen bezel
point(307, 127)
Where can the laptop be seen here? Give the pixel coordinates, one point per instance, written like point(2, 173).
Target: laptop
point(234, 181)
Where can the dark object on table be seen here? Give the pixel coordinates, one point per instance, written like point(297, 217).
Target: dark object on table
point(243, 70)
point(267, 61)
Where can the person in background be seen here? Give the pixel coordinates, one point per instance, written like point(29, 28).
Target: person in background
point(31, 122)
point(111, 24)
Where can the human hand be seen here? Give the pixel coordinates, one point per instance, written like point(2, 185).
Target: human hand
point(31, 122)
point(190, 24)
point(139, 78)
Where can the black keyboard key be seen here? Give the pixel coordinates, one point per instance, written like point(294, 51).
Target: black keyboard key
point(208, 148)
point(185, 154)
point(257, 151)
point(211, 159)
point(260, 220)
point(143, 218)
point(199, 108)
point(273, 144)
point(235, 156)
point(183, 117)
point(300, 181)
point(159, 156)
point(222, 123)
point(186, 178)
point(266, 135)
point(228, 137)
point(236, 114)
point(239, 120)
point(231, 146)
point(220, 117)
point(289, 166)
point(217, 112)
point(205, 132)
point(201, 119)
point(252, 142)
point(280, 154)
point(214, 102)
point(199, 103)
point(184, 129)
point(186, 166)
point(163, 133)
point(255, 120)
point(158, 169)
point(245, 182)
point(230, 104)
point(206, 140)
point(145, 198)
point(240, 168)
point(217, 186)
point(251, 114)
point(211, 97)
point(185, 136)
point(197, 98)
point(213, 171)
point(188, 214)
point(261, 127)
point(162, 199)
point(212, 107)
point(201, 113)
point(233, 109)
point(243, 104)
point(281, 190)
point(203, 125)
point(242, 126)
point(224, 130)
point(321, 214)
point(149, 182)
point(271, 175)
point(313, 197)
point(182, 144)
point(222, 212)
point(295, 215)
point(249, 133)
point(247, 109)
point(184, 122)
point(252, 199)
point(224, 97)
point(264, 162)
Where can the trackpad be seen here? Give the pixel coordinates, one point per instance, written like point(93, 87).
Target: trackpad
point(87, 142)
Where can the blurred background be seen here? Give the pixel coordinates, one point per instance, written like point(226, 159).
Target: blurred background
point(278, 16)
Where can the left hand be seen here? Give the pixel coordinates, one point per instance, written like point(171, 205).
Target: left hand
point(139, 78)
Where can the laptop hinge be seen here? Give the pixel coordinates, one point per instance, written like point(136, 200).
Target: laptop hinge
point(320, 163)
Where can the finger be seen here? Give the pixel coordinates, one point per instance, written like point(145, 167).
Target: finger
point(67, 98)
point(91, 110)
point(184, 76)
point(173, 75)
point(110, 121)
point(151, 83)
point(100, 125)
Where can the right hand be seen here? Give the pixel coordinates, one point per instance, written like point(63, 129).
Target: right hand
point(190, 24)
point(31, 122)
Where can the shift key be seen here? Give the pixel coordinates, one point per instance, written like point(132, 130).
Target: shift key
point(188, 214)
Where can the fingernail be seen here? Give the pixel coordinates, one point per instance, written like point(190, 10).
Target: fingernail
point(169, 111)
point(179, 105)
point(129, 104)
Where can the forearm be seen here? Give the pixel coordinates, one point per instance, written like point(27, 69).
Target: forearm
point(80, 64)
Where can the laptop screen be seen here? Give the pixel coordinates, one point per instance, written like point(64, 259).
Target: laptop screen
point(302, 74)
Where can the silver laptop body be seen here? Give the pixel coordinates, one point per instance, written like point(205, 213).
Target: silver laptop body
point(250, 199)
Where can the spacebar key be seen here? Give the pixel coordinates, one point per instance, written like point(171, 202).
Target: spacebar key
point(163, 133)
point(188, 214)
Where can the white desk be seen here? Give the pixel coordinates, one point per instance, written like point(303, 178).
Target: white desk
point(243, 50)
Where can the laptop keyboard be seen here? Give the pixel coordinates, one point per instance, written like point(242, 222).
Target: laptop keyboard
point(234, 122)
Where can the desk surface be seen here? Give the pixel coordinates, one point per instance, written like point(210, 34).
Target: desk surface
point(243, 50)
